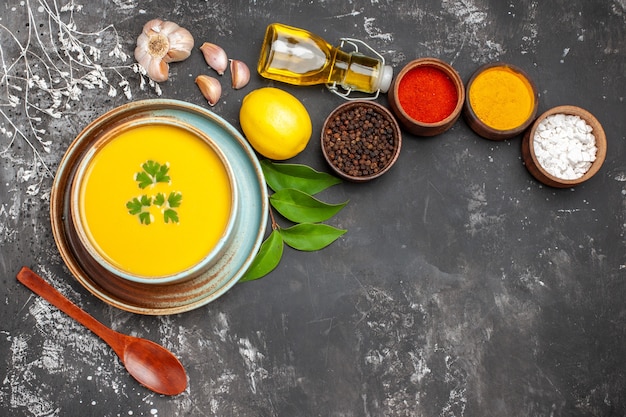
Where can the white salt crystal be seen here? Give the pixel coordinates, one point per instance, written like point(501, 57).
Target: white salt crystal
point(565, 146)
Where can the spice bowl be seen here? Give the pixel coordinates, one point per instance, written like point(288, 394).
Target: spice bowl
point(360, 140)
point(501, 101)
point(564, 147)
point(427, 96)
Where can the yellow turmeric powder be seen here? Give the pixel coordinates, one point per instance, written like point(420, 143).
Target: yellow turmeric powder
point(501, 98)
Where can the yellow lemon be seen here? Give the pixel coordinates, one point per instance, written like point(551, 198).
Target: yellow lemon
point(276, 124)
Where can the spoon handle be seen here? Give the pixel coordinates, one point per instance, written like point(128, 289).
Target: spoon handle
point(40, 287)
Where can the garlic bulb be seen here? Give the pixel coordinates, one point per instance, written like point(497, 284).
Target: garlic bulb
point(215, 57)
point(210, 87)
point(159, 43)
point(240, 74)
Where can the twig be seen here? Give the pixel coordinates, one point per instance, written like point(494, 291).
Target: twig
point(50, 72)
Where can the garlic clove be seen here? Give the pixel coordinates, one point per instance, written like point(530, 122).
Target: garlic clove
point(152, 27)
point(181, 44)
point(168, 27)
point(158, 70)
point(210, 87)
point(240, 73)
point(175, 55)
point(215, 57)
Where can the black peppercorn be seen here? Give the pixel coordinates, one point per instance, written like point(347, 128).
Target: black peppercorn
point(359, 141)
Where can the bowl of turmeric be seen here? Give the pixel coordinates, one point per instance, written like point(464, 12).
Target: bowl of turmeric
point(501, 101)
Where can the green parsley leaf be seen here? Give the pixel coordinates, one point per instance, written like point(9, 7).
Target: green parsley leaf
point(161, 175)
point(135, 206)
point(151, 167)
point(159, 199)
point(146, 200)
point(143, 179)
point(170, 215)
point(174, 199)
point(152, 173)
point(145, 217)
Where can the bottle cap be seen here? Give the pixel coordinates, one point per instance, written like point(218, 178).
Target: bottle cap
point(386, 76)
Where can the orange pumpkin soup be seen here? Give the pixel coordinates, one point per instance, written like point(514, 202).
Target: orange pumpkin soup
point(154, 200)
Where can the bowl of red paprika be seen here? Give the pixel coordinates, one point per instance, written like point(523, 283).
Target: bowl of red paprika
point(427, 96)
point(501, 101)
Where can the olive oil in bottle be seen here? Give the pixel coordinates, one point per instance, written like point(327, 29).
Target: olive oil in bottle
point(296, 56)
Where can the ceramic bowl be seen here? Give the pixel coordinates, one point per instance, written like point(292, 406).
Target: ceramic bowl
point(423, 128)
point(485, 130)
point(535, 168)
point(103, 141)
point(219, 270)
point(358, 152)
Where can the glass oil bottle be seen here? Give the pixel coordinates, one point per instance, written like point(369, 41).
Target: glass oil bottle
point(296, 56)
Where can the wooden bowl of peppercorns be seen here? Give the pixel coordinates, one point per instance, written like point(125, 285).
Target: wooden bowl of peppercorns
point(361, 140)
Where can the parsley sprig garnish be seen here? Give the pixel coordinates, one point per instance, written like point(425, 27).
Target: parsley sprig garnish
point(173, 201)
point(153, 173)
point(139, 206)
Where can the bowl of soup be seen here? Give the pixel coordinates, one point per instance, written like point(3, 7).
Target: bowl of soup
point(153, 201)
point(158, 206)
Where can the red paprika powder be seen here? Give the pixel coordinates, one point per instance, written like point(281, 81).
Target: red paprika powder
point(427, 94)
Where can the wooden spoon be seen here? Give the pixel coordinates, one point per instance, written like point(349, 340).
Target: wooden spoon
point(151, 364)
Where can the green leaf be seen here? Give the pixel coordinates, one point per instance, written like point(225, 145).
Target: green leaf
point(152, 173)
point(300, 207)
point(146, 200)
point(151, 167)
point(296, 176)
point(134, 206)
point(161, 174)
point(266, 259)
point(159, 199)
point(143, 179)
point(309, 236)
point(170, 215)
point(145, 217)
point(174, 199)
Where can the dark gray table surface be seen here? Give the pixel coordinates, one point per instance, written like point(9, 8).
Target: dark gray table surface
point(463, 287)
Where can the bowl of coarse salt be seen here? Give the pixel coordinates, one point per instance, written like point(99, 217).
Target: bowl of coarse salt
point(564, 147)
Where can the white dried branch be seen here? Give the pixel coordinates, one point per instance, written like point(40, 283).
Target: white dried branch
point(48, 73)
